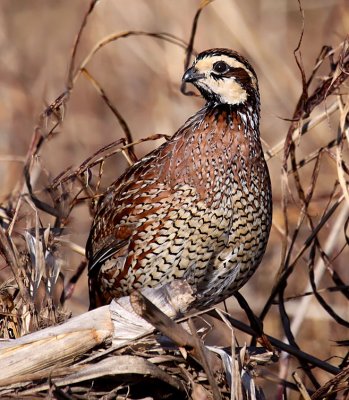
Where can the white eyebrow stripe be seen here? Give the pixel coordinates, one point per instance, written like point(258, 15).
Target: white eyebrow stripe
point(205, 65)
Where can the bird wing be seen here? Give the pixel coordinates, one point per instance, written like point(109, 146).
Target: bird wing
point(122, 207)
point(151, 189)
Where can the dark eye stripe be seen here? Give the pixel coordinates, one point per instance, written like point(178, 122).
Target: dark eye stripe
point(227, 52)
point(240, 73)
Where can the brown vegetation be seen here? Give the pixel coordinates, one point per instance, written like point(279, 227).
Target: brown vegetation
point(122, 96)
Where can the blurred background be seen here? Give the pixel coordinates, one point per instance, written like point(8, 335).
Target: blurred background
point(142, 76)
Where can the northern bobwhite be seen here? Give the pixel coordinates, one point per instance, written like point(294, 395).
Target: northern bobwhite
point(198, 207)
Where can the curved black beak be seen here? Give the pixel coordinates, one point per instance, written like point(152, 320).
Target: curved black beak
point(191, 75)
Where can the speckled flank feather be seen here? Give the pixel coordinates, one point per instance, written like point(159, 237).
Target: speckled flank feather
point(197, 207)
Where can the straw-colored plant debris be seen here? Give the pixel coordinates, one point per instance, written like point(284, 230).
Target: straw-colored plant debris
point(133, 348)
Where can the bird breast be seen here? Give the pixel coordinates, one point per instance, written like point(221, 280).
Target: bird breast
point(220, 154)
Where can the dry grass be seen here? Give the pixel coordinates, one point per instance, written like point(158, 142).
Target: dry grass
point(119, 92)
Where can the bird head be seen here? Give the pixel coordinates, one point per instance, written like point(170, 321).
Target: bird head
point(223, 76)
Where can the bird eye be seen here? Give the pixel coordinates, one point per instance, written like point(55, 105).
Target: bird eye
point(220, 67)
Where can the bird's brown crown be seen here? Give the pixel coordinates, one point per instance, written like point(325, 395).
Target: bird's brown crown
point(223, 76)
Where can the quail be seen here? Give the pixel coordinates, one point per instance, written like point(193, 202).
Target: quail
point(198, 207)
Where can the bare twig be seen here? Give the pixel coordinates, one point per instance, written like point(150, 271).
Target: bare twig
point(282, 346)
point(301, 386)
point(147, 310)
